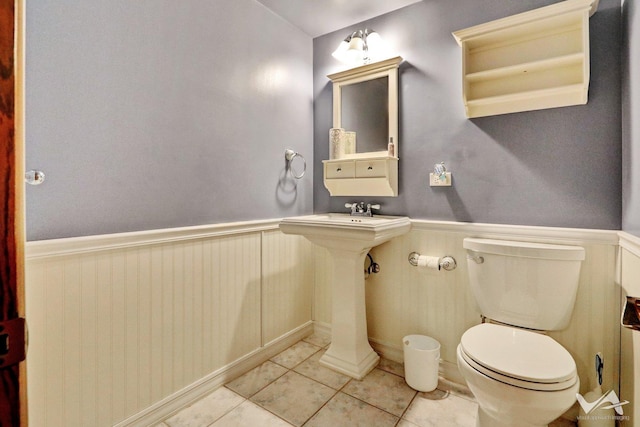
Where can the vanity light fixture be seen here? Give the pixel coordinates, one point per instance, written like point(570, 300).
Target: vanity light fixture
point(360, 47)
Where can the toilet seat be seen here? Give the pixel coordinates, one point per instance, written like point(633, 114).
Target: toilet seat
point(518, 357)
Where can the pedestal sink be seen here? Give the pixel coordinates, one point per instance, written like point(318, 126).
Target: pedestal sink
point(348, 239)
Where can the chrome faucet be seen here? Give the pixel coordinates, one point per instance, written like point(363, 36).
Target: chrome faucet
point(357, 209)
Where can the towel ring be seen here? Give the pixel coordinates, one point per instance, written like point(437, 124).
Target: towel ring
point(289, 155)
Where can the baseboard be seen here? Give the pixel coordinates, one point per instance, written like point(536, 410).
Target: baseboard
point(391, 352)
point(195, 391)
point(395, 353)
point(322, 329)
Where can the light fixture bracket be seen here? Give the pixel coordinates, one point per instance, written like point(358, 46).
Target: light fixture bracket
point(360, 48)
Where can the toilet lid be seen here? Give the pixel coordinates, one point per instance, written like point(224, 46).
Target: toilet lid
point(519, 357)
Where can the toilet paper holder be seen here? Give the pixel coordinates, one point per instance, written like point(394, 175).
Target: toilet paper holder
point(446, 262)
point(631, 314)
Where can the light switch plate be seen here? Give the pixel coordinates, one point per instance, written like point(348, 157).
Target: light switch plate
point(435, 181)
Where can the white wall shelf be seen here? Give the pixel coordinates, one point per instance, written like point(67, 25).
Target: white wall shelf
point(530, 61)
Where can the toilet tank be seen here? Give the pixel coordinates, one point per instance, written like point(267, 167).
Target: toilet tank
point(531, 285)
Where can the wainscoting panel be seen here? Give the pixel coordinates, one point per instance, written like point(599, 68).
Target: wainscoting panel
point(403, 299)
point(287, 287)
point(126, 328)
point(595, 324)
point(117, 324)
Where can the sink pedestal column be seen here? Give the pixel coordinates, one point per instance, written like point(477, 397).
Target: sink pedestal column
point(348, 240)
point(349, 352)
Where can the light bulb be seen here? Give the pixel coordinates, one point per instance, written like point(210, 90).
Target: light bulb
point(375, 45)
point(356, 43)
point(342, 48)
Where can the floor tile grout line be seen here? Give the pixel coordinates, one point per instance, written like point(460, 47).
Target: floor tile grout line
point(299, 363)
point(315, 381)
point(415, 396)
point(285, 373)
point(319, 382)
point(165, 420)
point(320, 408)
point(275, 379)
point(370, 404)
point(232, 409)
point(265, 386)
point(269, 411)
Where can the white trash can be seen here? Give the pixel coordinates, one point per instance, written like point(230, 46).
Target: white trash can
point(421, 360)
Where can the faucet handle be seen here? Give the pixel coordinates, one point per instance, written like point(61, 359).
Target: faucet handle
point(369, 207)
point(352, 206)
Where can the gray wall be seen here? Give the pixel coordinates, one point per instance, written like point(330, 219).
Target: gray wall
point(159, 113)
point(630, 114)
point(558, 167)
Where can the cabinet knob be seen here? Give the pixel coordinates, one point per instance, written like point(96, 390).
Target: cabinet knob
point(339, 170)
point(370, 168)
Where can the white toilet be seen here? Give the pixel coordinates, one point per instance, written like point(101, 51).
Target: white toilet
point(519, 375)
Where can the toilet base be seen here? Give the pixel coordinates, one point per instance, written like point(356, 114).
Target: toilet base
point(485, 420)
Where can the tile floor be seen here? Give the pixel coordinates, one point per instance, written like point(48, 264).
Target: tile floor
point(293, 389)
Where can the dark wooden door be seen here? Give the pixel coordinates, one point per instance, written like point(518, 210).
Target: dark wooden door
point(12, 373)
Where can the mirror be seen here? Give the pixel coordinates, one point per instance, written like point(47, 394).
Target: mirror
point(365, 111)
point(365, 102)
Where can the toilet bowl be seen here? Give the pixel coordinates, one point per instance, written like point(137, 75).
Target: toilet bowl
point(519, 378)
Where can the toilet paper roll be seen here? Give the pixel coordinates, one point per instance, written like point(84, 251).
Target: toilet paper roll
point(432, 262)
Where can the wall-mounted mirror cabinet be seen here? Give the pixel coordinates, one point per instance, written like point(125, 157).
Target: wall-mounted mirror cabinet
point(365, 105)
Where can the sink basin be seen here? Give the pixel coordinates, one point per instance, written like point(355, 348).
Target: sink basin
point(343, 231)
point(348, 240)
point(342, 218)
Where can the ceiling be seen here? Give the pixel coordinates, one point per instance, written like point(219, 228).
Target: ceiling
point(318, 17)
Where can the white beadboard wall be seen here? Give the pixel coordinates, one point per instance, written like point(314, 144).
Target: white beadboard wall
point(630, 340)
point(126, 328)
point(122, 323)
point(286, 264)
point(403, 299)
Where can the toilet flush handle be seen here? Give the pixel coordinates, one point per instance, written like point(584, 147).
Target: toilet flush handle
point(475, 258)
